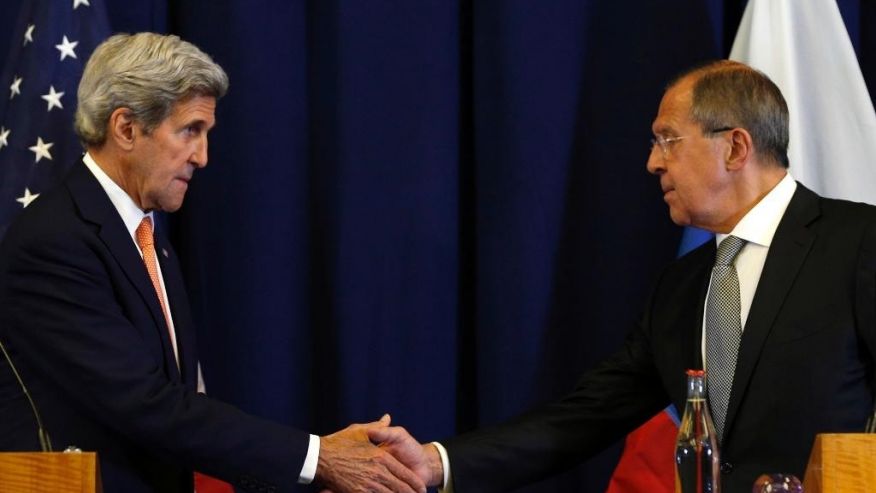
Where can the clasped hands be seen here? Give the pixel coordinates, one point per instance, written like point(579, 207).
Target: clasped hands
point(377, 457)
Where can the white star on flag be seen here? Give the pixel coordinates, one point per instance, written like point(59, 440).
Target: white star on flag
point(27, 198)
point(41, 150)
point(28, 35)
point(15, 88)
point(49, 45)
point(54, 98)
point(66, 48)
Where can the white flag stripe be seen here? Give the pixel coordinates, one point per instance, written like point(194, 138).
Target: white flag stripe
point(805, 48)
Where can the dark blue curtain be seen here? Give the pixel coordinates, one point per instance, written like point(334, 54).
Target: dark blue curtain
point(436, 209)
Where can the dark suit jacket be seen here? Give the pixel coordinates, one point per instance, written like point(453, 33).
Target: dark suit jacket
point(83, 323)
point(806, 361)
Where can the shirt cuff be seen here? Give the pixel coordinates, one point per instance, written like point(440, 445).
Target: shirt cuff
point(447, 485)
point(308, 470)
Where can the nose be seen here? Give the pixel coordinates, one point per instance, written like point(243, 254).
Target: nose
point(199, 156)
point(656, 164)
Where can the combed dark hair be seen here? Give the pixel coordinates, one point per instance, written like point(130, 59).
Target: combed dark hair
point(147, 73)
point(732, 94)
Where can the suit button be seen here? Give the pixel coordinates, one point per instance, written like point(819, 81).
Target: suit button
point(726, 468)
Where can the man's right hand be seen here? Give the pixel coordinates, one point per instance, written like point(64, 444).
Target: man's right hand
point(350, 463)
point(424, 460)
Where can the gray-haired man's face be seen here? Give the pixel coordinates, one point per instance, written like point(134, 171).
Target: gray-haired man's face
point(164, 160)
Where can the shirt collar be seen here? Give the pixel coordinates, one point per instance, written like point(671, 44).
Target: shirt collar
point(760, 223)
point(130, 212)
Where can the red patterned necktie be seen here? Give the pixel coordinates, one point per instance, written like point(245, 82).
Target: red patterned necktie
point(147, 246)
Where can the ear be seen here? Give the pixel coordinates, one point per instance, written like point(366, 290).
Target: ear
point(122, 129)
point(741, 149)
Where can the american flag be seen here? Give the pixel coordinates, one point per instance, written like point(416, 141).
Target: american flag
point(50, 44)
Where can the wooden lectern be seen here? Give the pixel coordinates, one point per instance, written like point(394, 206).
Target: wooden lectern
point(49, 472)
point(842, 462)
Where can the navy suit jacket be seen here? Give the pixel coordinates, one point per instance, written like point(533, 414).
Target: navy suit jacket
point(805, 365)
point(83, 324)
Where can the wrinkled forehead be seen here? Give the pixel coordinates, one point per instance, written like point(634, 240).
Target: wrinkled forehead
point(195, 108)
point(674, 110)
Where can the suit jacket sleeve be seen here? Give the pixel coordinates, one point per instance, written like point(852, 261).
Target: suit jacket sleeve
point(609, 401)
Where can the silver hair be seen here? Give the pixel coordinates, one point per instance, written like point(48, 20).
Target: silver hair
point(147, 73)
point(732, 94)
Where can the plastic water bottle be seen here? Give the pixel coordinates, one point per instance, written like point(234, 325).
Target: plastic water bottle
point(697, 460)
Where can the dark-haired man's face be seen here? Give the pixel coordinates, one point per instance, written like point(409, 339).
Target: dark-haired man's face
point(693, 175)
point(164, 160)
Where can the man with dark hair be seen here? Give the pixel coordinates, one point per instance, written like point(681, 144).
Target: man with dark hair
point(95, 315)
point(780, 309)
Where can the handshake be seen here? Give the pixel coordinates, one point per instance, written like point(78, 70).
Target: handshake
point(377, 457)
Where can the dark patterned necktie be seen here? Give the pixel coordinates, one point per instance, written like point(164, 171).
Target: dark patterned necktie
point(723, 329)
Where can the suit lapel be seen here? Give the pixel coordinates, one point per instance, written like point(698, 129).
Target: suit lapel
point(788, 251)
point(95, 207)
point(678, 326)
point(176, 293)
point(704, 276)
point(691, 340)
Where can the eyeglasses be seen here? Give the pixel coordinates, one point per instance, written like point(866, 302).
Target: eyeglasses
point(664, 142)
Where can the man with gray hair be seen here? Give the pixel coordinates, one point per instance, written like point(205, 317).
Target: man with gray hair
point(780, 310)
point(94, 312)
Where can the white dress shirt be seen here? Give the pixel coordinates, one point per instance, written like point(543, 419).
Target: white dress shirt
point(757, 228)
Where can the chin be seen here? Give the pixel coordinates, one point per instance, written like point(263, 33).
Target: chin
point(679, 218)
point(172, 206)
